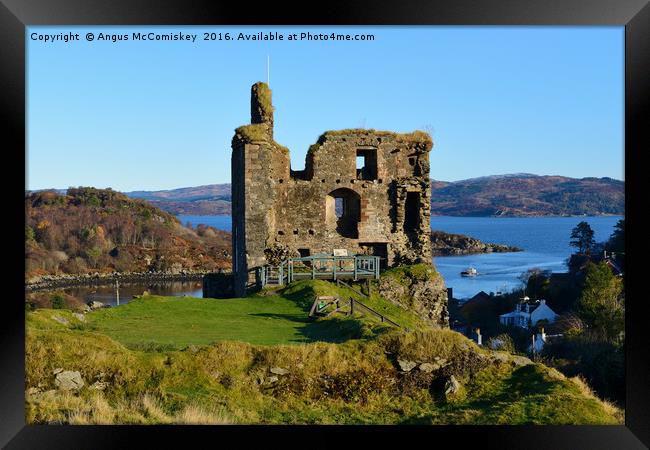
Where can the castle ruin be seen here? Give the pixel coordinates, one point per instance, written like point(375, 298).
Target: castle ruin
point(361, 190)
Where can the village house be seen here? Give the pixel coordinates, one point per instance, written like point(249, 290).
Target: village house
point(527, 314)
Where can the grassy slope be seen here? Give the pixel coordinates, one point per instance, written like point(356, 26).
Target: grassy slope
point(356, 381)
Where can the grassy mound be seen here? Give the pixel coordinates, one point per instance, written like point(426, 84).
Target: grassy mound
point(259, 360)
point(358, 381)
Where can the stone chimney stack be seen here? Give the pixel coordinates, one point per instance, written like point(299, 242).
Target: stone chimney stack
point(262, 106)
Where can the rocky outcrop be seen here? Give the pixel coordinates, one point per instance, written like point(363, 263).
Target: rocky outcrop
point(419, 288)
point(448, 244)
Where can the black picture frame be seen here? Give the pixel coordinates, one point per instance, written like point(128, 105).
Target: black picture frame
point(15, 15)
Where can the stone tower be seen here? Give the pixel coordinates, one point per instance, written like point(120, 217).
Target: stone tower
point(362, 190)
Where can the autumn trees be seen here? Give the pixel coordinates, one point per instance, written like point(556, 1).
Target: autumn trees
point(91, 229)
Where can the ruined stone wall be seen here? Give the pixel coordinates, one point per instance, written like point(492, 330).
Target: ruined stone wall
point(383, 209)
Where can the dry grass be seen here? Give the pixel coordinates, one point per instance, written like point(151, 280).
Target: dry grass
point(253, 133)
point(195, 415)
point(609, 407)
point(415, 137)
point(95, 409)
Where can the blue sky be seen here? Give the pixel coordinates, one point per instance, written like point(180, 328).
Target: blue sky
point(159, 115)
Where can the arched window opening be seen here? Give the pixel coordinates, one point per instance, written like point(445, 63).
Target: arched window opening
point(343, 212)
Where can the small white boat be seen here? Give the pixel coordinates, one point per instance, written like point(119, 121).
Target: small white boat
point(469, 272)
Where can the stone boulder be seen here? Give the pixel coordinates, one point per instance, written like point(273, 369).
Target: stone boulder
point(428, 367)
point(61, 320)
point(67, 380)
point(278, 371)
point(452, 386)
point(405, 365)
point(94, 304)
point(99, 385)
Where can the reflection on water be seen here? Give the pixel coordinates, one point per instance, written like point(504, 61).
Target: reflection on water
point(110, 295)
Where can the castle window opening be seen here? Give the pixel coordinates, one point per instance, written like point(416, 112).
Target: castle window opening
point(366, 164)
point(412, 212)
point(338, 206)
point(343, 212)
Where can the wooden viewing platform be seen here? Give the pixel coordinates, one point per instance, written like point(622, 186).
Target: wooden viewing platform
point(320, 267)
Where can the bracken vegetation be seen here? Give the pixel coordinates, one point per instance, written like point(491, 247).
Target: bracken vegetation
point(100, 230)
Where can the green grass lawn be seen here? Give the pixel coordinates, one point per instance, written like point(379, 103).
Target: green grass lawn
point(281, 318)
point(181, 321)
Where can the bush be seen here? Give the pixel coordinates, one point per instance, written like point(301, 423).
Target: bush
point(502, 342)
point(58, 301)
point(29, 234)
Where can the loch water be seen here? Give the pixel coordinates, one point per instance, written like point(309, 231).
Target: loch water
point(545, 241)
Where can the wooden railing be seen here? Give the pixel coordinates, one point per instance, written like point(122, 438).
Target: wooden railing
point(320, 267)
point(344, 284)
point(356, 304)
point(322, 303)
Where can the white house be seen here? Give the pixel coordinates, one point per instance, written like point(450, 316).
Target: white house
point(527, 315)
point(540, 339)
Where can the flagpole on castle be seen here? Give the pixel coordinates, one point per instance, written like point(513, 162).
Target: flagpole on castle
point(268, 70)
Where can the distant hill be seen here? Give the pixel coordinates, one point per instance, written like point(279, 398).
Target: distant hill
point(91, 230)
point(187, 194)
point(519, 194)
point(528, 195)
point(208, 200)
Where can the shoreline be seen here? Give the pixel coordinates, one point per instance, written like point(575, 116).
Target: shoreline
point(48, 282)
point(452, 244)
